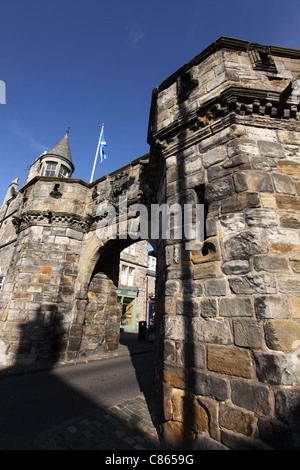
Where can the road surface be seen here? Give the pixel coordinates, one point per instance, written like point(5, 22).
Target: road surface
point(32, 403)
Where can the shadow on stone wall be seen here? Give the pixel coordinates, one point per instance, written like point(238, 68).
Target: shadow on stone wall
point(40, 343)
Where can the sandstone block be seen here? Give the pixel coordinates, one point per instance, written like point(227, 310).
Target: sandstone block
point(202, 383)
point(188, 411)
point(270, 263)
point(236, 266)
point(172, 287)
point(289, 219)
point(227, 167)
point(236, 440)
point(209, 252)
point(209, 308)
point(174, 375)
point(230, 361)
point(286, 202)
point(216, 81)
point(271, 149)
point(242, 146)
point(194, 355)
point(236, 307)
point(192, 288)
point(289, 285)
point(215, 287)
point(176, 436)
point(261, 134)
point(74, 234)
point(294, 303)
point(277, 369)
point(167, 397)
point(204, 271)
point(271, 307)
point(46, 270)
point(283, 237)
point(264, 163)
point(261, 217)
point(204, 442)
point(253, 181)
point(282, 335)
point(193, 181)
point(211, 157)
point(283, 184)
point(236, 420)
point(253, 284)
point(176, 327)
point(212, 331)
point(244, 244)
point(287, 407)
point(289, 167)
point(187, 307)
point(232, 222)
point(248, 334)
point(169, 351)
point(219, 189)
point(253, 397)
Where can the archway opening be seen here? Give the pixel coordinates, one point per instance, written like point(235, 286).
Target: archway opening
point(120, 297)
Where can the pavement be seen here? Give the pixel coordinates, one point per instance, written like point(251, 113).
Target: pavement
point(127, 425)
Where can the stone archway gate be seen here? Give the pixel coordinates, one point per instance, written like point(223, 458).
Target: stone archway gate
point(224, 133)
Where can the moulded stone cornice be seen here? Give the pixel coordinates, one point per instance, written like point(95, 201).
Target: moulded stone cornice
point(48, 218)
point(219, 112)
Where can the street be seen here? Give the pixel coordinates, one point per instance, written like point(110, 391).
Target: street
point(33, 403)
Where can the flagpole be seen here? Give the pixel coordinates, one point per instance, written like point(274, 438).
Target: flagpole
point(92, 175)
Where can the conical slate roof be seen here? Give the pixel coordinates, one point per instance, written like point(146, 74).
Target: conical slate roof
point(62, 149)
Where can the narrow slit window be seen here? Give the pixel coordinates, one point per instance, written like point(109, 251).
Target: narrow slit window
point(1, 282)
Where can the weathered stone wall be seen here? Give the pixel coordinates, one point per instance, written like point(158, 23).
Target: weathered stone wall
point(228, 315)
point(8, 236)
point(224, 132)
point(59, 301)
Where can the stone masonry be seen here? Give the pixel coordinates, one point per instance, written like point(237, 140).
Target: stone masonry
point(223, 132)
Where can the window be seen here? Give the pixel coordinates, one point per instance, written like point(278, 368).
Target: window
point(130, 250)
point(124, 275)
point(50, 169)
point(151, 263)
point(63, 172)
point(127, 275)
point(130, 276)
point(1, 281)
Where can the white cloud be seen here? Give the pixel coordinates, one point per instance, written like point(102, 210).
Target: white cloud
point(135, 34)
point(28, 138)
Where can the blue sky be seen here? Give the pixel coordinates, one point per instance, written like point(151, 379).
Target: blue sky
point(81, 63)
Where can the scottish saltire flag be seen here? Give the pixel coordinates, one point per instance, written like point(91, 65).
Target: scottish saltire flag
point(102, 147)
